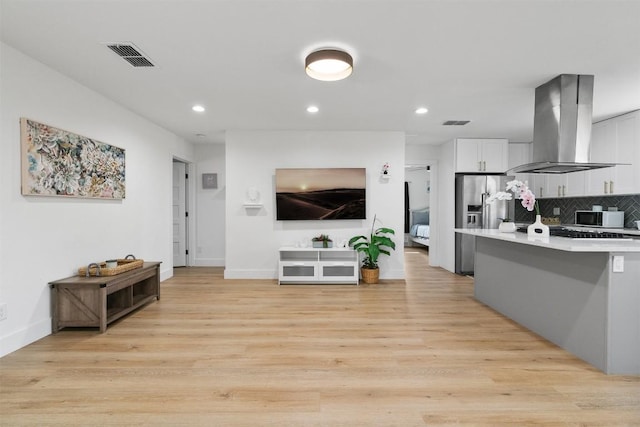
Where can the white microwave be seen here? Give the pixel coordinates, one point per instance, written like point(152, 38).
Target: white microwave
point(608, 219)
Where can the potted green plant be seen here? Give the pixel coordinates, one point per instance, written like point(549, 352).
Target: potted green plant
point(322, 241)
point(377, 243)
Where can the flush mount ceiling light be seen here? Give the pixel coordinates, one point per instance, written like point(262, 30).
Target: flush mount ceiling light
point(312, 109)
point(422, 110)
point(198, 108)
point(329, 65)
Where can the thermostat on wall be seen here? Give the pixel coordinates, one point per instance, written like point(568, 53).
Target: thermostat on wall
point(209, 180)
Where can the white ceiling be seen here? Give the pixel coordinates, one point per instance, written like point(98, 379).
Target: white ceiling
point(243, 60)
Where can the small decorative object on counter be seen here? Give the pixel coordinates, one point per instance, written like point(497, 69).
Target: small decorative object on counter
point(528, 201)
point(322, 241)
point(507, 226)
point(385, 169)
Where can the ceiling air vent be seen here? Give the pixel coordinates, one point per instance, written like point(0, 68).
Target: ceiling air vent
point(130, 53)
point(456, 122)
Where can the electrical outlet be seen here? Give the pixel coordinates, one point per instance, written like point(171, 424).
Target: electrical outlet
point(618, 264)
point(3, 311)
point(556, 211)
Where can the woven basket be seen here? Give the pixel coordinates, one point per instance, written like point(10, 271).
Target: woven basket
point(370, 275)
point(124, 265)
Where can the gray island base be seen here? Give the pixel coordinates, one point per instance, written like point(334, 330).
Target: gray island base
point(569, 295)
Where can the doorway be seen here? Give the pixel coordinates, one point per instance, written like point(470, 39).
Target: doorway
point(421, 208)
point(180, 214)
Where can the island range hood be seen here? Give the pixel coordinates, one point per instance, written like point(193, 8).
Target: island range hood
point(562, 127)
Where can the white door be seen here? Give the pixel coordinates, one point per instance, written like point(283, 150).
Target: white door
point(179, 215)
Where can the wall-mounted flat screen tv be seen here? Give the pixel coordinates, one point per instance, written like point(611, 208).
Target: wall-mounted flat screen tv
point(330, 193)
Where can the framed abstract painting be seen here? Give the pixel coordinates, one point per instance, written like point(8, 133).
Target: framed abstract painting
point(60, 163)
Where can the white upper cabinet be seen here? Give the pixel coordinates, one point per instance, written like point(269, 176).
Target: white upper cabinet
point(482, 155)
point(575, 185)
point(520, 154)
point(616, 140)
point(539, 184)
point(562, 185)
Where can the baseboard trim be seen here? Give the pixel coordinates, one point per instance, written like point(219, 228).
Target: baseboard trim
point(23, 337)
point(208, 262)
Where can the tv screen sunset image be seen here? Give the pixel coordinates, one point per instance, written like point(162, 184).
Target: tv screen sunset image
point(312, 194)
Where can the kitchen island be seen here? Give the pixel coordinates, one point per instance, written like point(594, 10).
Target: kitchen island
point(583, 295)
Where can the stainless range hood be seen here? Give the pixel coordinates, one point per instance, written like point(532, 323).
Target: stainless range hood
point(562, 127)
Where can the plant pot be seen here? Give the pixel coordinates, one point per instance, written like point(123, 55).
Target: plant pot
point(507, 227)
point(322, 244)
point(370, 275)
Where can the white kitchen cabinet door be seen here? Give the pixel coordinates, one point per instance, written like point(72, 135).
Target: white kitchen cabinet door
point(538, 184)
point(495, 155)
point(468, 155)
point(570, 184)
point(615, 140)
point(575, 184)
point(556, 185)
point(626, 177)
point(602, 151)
point(482, 155)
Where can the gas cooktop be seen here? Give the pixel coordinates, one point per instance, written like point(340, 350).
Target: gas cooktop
point(572, 233)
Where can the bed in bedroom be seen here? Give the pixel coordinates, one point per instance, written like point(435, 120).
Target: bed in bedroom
point(419, 231)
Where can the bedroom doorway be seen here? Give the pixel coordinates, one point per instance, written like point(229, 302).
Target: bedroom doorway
point(417, 196)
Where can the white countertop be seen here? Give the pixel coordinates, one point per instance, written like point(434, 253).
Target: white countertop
point(559, 243)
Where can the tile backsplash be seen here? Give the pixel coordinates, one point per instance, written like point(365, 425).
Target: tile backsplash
point(568, 205)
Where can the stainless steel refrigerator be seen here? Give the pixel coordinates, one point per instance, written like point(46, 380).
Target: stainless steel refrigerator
point(472, 211)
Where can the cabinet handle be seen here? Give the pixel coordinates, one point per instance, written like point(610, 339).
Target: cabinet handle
point(564, 191)
point(559, 191)
point(484, 166)
point(540, 192)
point(605, 188)
point(610, 187)
point(480, 166)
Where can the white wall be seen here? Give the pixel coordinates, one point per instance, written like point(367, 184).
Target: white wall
point(254, 236)
point(446, 206)
point(421, 154)
point(419, 188)
point(210, 233)
point(47, 238)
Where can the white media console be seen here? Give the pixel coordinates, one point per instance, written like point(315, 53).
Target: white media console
point(318, 266)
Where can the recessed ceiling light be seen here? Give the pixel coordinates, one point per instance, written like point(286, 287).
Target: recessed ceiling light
point(312, 109)
point(198, 108)
point(422, 110)
point(329, 65)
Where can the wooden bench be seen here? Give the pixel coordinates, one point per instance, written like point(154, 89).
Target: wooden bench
point(96, 301)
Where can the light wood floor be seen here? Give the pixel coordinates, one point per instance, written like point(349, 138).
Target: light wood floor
point(224, 353)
